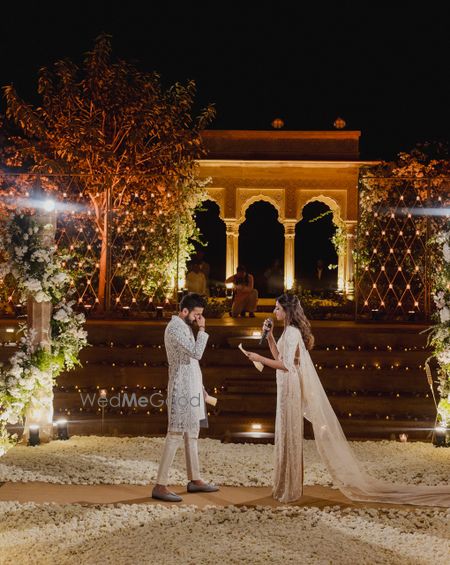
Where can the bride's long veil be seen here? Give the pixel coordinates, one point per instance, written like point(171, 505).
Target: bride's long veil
point(339, 458)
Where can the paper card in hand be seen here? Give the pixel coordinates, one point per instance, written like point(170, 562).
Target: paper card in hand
point(257, 364)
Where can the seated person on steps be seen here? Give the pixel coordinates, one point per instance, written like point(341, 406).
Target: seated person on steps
point(245, 297)
point(196, 280)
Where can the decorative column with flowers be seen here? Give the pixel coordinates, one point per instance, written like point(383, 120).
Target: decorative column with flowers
point(439, 337)
point(40, 408)
point(53, 335)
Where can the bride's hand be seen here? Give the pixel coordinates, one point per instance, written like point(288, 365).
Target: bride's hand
point(268, 326)
point(253, 356)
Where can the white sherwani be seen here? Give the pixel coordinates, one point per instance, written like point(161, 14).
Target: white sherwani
point(185, 401)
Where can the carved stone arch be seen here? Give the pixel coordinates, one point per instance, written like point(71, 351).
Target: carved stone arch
point(217, 195)
point(339, 222)
point(277, 202)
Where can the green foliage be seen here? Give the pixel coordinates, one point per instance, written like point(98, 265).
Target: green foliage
point(217, 307)
point(339, 239)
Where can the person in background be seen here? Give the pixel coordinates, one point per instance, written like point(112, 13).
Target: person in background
point(245, 296)
point(274, 276)
point(199, 258)
point(195, 279)
point(321, 277)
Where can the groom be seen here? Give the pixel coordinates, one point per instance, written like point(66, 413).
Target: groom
point(185, 396)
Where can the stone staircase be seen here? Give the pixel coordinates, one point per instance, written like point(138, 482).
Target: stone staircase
point(373, 375)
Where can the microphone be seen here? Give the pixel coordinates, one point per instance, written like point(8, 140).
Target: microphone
point(267, 322)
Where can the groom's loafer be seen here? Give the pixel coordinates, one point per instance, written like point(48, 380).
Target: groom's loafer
point(166, 496)
point(192, 487)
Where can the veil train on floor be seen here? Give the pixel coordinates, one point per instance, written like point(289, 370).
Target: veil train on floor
point(338, 456)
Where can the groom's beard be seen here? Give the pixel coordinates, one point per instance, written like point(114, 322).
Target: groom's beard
point(188, 321)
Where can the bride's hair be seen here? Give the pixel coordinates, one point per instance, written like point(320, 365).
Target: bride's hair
point(295, 316)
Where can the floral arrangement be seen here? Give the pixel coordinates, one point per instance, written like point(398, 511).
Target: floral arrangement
point(216, 307)
point(39, 274)
point(439, 336)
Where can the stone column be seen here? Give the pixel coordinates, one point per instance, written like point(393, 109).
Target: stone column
point(349, 261)
point(40, 410)
point(232, 228)
point(289, 253)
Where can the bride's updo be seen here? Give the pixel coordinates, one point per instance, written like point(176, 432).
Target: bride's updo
point(295, 316)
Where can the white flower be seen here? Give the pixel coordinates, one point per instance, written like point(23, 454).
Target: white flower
point(61, 315)
point(444, 315)
point(33, 285)
point(20, 251)
point(444, 357)
point(446, 252)
point(60, 278)
point(42, 297)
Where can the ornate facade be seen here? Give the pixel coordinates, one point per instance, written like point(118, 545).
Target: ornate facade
point(288, 170)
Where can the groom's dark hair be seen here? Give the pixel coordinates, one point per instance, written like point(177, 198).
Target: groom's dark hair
point(192, 300)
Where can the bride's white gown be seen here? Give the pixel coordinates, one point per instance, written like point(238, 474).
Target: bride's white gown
point(300, 394)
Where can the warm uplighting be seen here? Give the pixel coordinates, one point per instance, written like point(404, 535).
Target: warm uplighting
point(441, 438)
point(289, 282)
point(62, 429)
point(33, 437)
point(256, 427)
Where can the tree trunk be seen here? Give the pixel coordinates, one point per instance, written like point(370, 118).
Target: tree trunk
point(103, 263)
point(104, 275)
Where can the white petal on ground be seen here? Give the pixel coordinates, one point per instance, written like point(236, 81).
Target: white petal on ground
point(74, 534)
point(134, 460)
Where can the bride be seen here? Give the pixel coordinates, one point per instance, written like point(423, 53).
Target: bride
point(300, 394)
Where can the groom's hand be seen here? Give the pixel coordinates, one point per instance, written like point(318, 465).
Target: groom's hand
point(200, 321)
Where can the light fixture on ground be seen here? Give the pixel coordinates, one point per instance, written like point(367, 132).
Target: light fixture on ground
point(62, 429)
point(376, 314)
point(441, 436)
point(103, 393)
point(33, 435)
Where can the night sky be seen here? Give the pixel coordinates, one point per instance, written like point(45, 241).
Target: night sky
point(385, 72)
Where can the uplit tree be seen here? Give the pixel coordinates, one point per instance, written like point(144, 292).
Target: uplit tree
point(113, 135)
